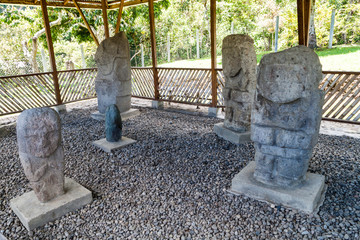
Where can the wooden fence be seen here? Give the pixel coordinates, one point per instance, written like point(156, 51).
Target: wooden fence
point(181, 85)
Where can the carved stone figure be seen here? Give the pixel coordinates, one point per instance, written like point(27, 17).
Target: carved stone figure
point(41, 152)
point(113, 81)
point(286, 115)
point(239, 66)
point(113, 124)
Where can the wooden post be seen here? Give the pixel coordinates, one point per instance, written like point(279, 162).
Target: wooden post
point(213, 53)
point(332, 28)
point(232, 27)
point(105, 17)
point(303, 10)
point(51, 51)
point(307, 11)
point(117, 29)
point(153, 48)
point(86, 22)
point(300, 14)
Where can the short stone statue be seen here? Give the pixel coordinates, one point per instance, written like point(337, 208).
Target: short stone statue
point(286, 115)
point(41, 152)
point(113, 81)
point(239, 66)
point(113, 124)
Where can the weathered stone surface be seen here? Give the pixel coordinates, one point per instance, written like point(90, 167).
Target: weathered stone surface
point(286, 115)
point(239, 64)
point(111, 146)
point(113, 124)
point(113, 82)
point(41, 152)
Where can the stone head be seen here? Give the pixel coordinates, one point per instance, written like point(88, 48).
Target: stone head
point(289, 75)
point(38, 132)
point(237, 51)
point(110, 49)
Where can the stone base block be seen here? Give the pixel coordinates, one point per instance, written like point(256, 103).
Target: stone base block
point(2, 237)
point(110, 146)
point(124, 116)
point(157, 104)
point(230, 135)
point(33, 213)
point(306, 197)
point(213, 112)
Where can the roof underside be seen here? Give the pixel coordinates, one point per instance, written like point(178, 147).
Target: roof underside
point(111, 4)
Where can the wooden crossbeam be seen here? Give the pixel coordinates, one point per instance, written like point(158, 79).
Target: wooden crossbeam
point(86, 22)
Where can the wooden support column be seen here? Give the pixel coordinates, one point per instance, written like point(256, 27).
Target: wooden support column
point(86, 22)
point(153, 48)
point(51, 51)
point(307, 10)
point(105, 17)
point(303, 11)
point(119, 17)
point(213, 53)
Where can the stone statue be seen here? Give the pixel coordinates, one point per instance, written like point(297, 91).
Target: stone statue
point(113, 81)
point(113, 124)
point(286, 115)
point(41, 152)
point(239, 66)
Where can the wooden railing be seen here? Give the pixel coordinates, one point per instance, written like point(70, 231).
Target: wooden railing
point(181, 85)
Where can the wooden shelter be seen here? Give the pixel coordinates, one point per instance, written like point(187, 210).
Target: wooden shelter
point(183, 85)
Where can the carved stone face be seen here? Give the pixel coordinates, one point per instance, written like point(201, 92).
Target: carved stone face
point(38, 132)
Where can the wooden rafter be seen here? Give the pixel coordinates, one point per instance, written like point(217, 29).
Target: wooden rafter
point(119, 17)
point(82, 3)
point(51, 51)
point(105, 17)
point(86, 23)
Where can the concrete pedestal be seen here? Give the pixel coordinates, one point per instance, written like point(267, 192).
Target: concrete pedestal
point(306, 197)
point(157, 104)
point(213, 112)
point(32, 213)
point(110, 146)
point(230, 135)
point(125, 115)
point(60, 108)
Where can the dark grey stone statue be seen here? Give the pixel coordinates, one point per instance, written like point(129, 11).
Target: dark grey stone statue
point(41, 152)
point(113, 124)
point(286, 115)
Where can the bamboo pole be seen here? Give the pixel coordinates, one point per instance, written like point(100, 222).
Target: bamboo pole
point(51, 51)
point(105, 17)
point(119, 17)
point(213, 53)
point(153, 48)
point(86, 22)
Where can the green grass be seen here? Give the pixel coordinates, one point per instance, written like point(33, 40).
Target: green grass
point(337, 50)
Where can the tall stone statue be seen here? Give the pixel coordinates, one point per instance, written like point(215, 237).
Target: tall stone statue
point(285, 123)
point(239, 67)
point(41, 152)
point(113, 81)
point(286, 115)
point(113, 124)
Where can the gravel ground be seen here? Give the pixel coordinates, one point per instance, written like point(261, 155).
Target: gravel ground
point(172, 184)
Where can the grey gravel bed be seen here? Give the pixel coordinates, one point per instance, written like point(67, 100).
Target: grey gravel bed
point(172, 184)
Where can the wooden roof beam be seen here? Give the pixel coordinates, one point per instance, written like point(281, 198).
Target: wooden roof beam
point(119, 17)
point(86, 23)
point(105, 17)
